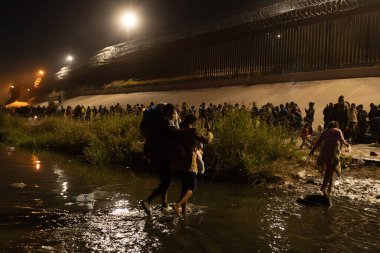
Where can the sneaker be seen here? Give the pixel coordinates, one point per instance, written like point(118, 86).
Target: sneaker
point(166, 208)
point(146, 206)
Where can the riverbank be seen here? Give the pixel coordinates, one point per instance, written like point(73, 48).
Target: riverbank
point(241, 146)
point(359, 182)
point(243, 152)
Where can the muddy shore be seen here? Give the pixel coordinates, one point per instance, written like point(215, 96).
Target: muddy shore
point(357, 182)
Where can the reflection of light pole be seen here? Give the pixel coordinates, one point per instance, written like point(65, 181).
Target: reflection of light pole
point(64, 71)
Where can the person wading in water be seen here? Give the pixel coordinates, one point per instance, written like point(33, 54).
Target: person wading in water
point(329, 154)
point(157, 127)
point(187, 137)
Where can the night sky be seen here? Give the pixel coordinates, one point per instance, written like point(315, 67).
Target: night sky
point(40, 33)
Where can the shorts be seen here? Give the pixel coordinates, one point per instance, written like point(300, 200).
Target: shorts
point(188, 181)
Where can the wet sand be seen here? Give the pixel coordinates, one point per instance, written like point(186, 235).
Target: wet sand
point(359, 90)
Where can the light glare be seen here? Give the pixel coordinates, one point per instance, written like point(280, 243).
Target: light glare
point(129, 20)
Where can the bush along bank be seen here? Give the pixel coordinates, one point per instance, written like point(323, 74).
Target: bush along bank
point(111, 139)
point(242, 147)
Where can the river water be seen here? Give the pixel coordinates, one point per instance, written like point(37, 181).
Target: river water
point(38, 214)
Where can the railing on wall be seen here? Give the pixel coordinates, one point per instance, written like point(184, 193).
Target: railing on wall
point(336, 41)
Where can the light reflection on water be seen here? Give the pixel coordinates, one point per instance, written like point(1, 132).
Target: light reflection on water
point(223, 218)
point(273, 221)
point(61, 180)
point(36, 162)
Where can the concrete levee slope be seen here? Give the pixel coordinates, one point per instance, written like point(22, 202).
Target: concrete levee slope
point(357, 90)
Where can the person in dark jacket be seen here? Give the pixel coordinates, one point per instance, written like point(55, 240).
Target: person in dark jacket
point(375, 129)
point(327, 114)
point(309, 118)
point(157, 146)
point(340, 113)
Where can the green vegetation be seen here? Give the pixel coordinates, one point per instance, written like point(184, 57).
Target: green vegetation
point(112, 139)
point(244, 146)
point(241, 147)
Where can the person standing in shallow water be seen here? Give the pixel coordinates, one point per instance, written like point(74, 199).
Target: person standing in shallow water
point(188, 137)
point(155, 146)
point(329, 154)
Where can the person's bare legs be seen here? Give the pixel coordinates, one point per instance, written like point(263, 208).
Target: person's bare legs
point(327, 179)
point(184, 209)
point(183, 202)
point(330, 184)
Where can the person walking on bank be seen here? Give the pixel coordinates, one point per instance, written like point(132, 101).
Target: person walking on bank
point(310, 116)
point(329, 154)
point(157, 128)
point(327, 114)
point(340, 113)
point(188, 137)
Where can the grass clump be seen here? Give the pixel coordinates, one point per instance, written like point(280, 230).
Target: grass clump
point(243, 146)
point(12, 129)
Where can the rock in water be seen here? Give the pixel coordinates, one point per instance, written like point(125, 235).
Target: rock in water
point(315, 200)
point(18, 185)
point(84, 198)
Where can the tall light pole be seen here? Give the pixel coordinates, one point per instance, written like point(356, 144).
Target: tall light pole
point(37, 82)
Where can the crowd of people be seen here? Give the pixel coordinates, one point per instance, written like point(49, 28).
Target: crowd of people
point(357, 125)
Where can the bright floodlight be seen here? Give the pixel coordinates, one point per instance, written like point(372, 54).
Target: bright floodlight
point(41, 72)
point(69, 58)
point(129, 20)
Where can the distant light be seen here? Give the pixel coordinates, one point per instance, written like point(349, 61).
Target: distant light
point(278, 36)
point(69, 58)
point(129, 20)
point(12, 86)
point(28, 89)
point(41, 72)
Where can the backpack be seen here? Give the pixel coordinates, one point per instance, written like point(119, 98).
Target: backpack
point(149, 122)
